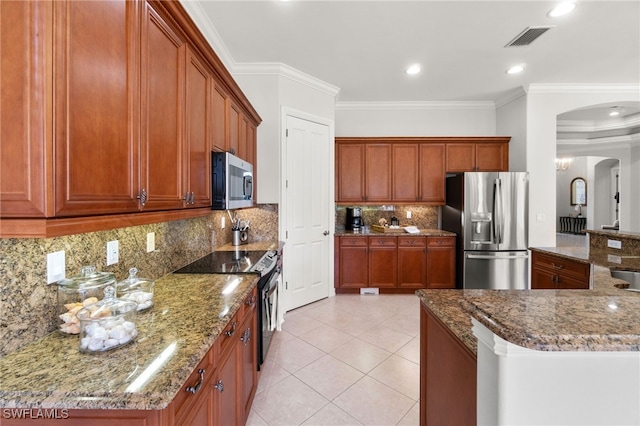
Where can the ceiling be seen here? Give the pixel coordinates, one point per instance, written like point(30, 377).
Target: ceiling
point(363, 47)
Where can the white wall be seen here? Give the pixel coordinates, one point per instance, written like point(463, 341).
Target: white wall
point(563, 193)
point(544, 103)
point(511, 120)
point(416, 119)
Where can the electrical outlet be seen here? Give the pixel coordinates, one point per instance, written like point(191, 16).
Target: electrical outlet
point(614, 244)
point(223, 222)
point(151, 242)
point(55, 266)
point(112, 252)
point(541, 217)
point(408, 214)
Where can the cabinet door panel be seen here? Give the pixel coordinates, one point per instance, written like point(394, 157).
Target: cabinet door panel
point(405, 172)
point(492, 157)
point(226, 402)
point(95, 107)
point(377, 172)
point(441, 262)
point(233, 117)
point(383, 262)
point(163, 58)
point(350, 172)
point(354, 263)
point(220, 137)
point(198, 117)
point(461, 157)
point(23, 124)
point(432, 173)
point(412, 262)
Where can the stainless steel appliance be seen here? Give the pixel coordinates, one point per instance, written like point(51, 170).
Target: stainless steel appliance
point(231, 182)
point(354, 220)
point(266, 264)
point(489, 213)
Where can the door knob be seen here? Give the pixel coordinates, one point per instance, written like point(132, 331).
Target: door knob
point(325, 233)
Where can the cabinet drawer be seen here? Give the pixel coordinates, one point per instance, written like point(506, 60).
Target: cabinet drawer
point(441, 241)
point(194, 385)
point(353, 241)
point(412, 241)
point(230, 333)
point(250, 303)
point(561, 265)
point(383, 242)
point(542, 278)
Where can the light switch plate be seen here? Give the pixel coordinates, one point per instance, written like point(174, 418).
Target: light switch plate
point(151, 242)
point(112, 252)
point(408, 214)
point(55, 266)
point(222, 222)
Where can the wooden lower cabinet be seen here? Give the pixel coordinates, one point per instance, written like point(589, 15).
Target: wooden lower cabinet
point(383, 262)
point(412, 262)
point(448, 372)
point(554, 272)
point(398, 262)
point(441, 262)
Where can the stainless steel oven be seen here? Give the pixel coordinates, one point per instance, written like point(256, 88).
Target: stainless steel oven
point(267, 311)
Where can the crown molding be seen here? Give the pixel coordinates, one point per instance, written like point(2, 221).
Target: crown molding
point(515, 94)
point(286, 71)
point(584, 88)
point(415, 105)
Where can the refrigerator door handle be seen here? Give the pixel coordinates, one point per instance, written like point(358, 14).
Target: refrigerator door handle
point(511, 256)
point(499, 210)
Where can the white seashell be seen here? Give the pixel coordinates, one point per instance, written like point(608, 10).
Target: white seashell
point(109, 324)
point(117, 332)
point(84, 342)
point(126, 338)
point(89, 301)
point(109, 343)
point(100, 333)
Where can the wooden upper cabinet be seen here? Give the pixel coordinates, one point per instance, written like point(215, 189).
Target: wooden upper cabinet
point(162, 79)
point(405, 172)
point(220, 100)
point(482, 156)
point(24, 127)
point(492, 157)
point(432, 173)
point(199, 82)
point(233, 123)
point(350, 172)
point(377, 178)
point(96, 115)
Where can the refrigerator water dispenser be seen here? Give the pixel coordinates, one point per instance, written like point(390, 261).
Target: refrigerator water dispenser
point(481, 227)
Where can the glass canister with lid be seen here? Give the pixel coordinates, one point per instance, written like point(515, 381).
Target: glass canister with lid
point(78, 292)
point(107, 324)
point(135, 289)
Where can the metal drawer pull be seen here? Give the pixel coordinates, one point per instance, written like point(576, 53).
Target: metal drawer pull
point(557, 266)
point(232, 331)
point(196, 388)
point(251, 300)
point(246, 336)
point(219, 386)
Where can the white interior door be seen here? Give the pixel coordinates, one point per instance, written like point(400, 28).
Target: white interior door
point(307, 202)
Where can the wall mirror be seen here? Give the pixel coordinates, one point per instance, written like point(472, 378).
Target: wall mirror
point(579, 191)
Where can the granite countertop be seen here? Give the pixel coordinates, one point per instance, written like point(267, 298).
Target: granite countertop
point(189, 313)
point(422, 233)
point(604, 318)
point(257, 246)
point(607, 258)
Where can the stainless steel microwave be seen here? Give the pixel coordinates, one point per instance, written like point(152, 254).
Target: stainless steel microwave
point(231, 182)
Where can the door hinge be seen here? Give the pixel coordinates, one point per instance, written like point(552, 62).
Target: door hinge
point(286, 132)
point(286, 285)
point(286, 234)
point(286, 183)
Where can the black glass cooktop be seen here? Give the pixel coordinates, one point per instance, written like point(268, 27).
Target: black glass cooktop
point(224, 262)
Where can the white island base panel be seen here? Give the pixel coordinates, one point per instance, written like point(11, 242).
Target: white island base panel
point(520, 386)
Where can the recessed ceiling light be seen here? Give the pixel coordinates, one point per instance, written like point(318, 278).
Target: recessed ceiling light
point(515, 69)
point(562, 9)
point(413, 69)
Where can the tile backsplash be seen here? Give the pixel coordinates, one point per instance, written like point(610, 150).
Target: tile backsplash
point(28, 304)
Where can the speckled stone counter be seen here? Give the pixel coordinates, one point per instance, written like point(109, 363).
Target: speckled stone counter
point(189, 313)
point(422, 233)
point(604, 318)
point(598, 256)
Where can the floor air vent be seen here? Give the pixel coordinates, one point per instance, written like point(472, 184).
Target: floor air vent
point(528, 36)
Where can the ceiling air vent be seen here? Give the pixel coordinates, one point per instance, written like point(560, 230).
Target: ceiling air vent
point(528, 36)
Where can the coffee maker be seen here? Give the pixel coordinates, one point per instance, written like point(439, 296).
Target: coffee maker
point(354, 219)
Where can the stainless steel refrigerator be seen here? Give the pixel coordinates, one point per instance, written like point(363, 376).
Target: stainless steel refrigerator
point(489, 213)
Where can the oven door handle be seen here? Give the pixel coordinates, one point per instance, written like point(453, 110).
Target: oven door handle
point(270, 287)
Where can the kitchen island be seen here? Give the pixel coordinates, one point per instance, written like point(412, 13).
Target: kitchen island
point(541, 356)
point(138, 382)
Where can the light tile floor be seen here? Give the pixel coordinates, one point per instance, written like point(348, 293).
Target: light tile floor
point(345, 360)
